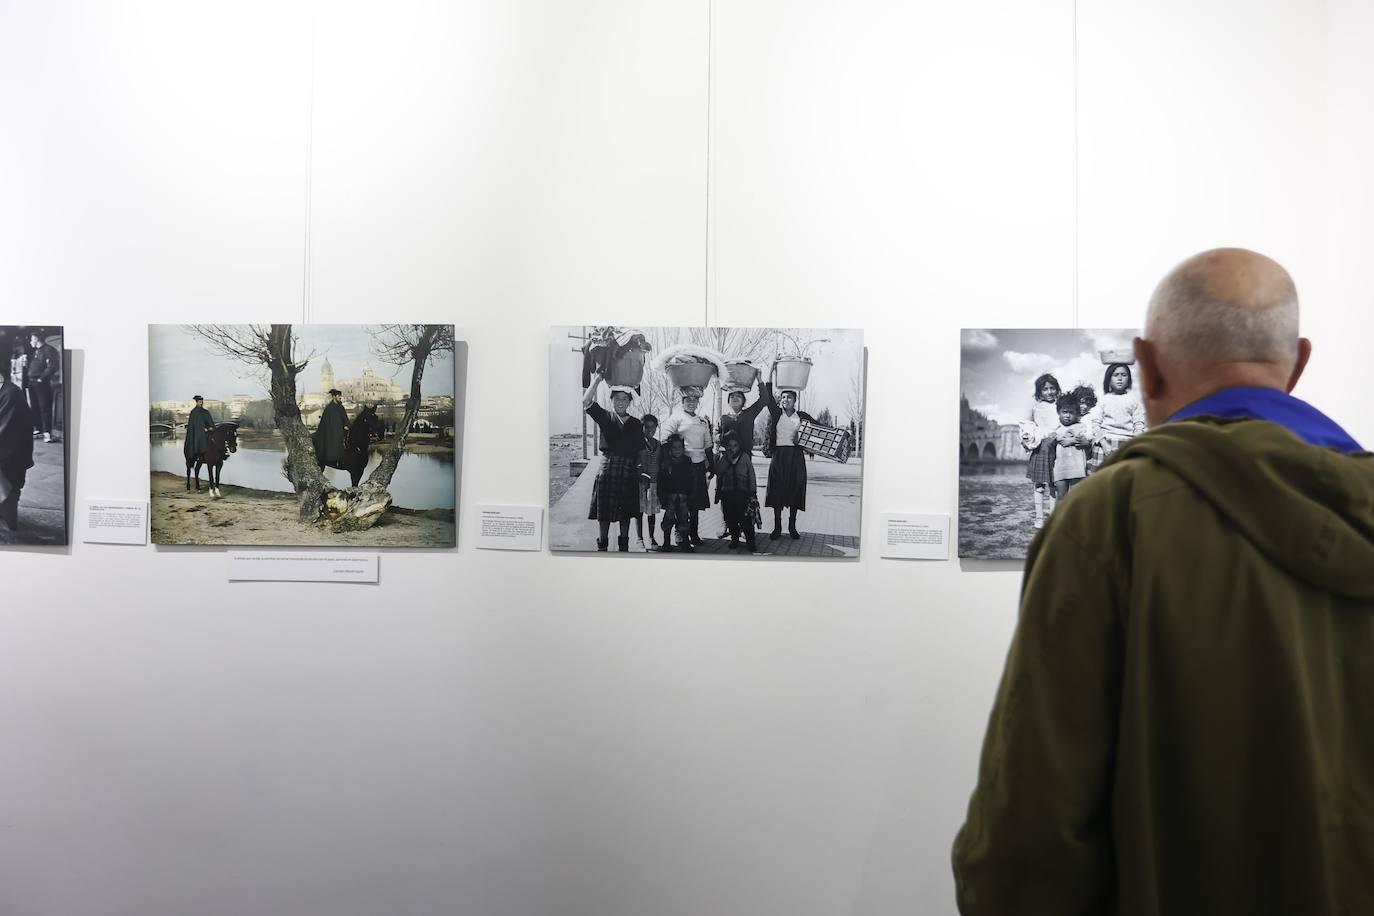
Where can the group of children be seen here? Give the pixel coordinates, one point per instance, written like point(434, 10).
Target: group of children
point(1069, 435)
point(670, 483)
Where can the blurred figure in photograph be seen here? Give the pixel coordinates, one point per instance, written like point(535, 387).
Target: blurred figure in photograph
point(43, 367)
point(699, 443)
point(615, 491)
point(16, 450)
point(787, 464)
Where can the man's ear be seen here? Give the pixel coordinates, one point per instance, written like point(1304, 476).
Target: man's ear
point(1304, 354)
point(1151, 381)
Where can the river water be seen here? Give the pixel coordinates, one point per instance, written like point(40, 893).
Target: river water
point(420, 482)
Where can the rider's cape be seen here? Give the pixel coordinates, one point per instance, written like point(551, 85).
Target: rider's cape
point(329, 437)
point(199, 425)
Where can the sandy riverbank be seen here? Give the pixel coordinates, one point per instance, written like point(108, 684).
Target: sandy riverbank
point(248, 517)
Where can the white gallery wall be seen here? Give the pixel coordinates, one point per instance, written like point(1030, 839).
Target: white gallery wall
point(484, 733)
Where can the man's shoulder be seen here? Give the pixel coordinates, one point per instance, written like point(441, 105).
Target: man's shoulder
point(1098, 514)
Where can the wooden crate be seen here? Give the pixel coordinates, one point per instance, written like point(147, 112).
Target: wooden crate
point(826, 441)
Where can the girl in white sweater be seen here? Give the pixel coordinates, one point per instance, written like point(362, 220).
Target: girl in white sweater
point(1119, 414)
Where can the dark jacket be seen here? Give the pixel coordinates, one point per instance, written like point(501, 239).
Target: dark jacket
point(43, 364)
point(735, 478)
point(329, 435)
point(624, 439)
point(675, 477)
point(742, 424)
point(774, 412)
point(16, 429)
point(1186, 724)
point(199, 425)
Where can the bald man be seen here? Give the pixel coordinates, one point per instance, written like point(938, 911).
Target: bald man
point(1185, 724)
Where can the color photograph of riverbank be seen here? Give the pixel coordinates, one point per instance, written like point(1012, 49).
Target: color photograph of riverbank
point(327, 435)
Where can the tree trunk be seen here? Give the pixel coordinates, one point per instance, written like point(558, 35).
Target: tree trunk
point(301, 467)
point(359, 508)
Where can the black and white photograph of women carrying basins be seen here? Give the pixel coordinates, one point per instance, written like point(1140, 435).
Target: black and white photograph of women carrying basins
point(33, 441)
point(1039, 411)
point(742, 442)
point(320, 435)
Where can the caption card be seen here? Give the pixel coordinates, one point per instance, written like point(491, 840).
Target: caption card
point(114, 521)
point(916, 537)
point(282, 566)
point(510, 527)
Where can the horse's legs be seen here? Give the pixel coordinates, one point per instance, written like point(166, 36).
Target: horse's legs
point(198, 462)
point(188, 477)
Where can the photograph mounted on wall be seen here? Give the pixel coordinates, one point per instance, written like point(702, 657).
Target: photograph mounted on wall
point(722, 441)
point(33, 441)
point(1039, 411)
point(321, 435)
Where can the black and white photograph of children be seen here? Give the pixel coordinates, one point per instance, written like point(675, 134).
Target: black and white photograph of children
point(1039, 411)
point(33, 442)
point(726, 441)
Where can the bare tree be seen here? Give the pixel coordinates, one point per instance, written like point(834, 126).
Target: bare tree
point(274, 346)
point(854, 404)
point(401, 345)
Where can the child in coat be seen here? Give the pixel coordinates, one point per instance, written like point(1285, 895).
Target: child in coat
point(736, 484)
point(677, 481)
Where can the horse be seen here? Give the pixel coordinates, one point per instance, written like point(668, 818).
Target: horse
point(365, 427)
point(222, 442)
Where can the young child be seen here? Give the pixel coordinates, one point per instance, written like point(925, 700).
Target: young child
point(648, 481)
point(1119, 415)
point(1037, 438)
point(735, 485)
point(676, 487)
point(1071, 445)
point(1087, 402)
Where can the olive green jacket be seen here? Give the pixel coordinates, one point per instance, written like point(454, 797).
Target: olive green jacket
point(1186, 720)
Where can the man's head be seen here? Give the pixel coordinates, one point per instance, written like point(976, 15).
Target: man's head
point(336, 395)
point(200, 401)
point(1222, 318)
point(35, 341)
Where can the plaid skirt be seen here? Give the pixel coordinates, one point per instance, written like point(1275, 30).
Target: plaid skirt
point(787, 479)
point(615, 492)
point(1040, 470)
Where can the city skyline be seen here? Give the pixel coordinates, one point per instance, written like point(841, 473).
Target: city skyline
point(181, 364)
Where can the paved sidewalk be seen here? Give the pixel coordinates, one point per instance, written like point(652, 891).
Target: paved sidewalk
point(43, 501)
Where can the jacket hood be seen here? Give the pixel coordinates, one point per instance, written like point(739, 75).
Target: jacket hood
point(1309, 510)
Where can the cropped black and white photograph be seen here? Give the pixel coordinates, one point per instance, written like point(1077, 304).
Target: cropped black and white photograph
point(740, 442)
point(33, 441)
point(1039, 411)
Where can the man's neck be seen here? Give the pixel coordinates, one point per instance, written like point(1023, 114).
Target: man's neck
point(1222, 377)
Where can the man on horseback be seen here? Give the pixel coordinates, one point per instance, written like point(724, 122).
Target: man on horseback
point(332, 432)
point(199, 425)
